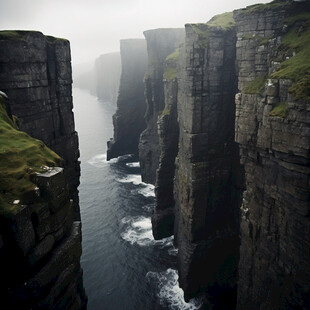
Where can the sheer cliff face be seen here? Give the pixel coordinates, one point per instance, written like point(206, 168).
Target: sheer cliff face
point(206, 178)
point(160, 43)
point(36, 75)
point(168, 133)
point(40, 250)
point(129, 120)
point(107, 76)
point(272, 129)
point(40, 241)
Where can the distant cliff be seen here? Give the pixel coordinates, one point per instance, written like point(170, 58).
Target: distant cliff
point(107, 76)
point(128, 120)
point(40, 235)
point(228, 146)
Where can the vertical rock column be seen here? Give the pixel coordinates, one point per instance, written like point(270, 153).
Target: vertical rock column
point(274, 144)
point(168, 133)
point(128, 120)
point(207, 176)
point(35, 73)
point(160, 43)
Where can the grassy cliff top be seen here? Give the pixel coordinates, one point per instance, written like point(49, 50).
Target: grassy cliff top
point(20, 35)
point(225, 21)
point(296, 44)
point(20, 156)
point(263, 7)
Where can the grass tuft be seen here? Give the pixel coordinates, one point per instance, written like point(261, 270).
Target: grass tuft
point(280, 110)
point(256, 86)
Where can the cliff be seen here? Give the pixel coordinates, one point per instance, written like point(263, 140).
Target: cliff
point(227, 144)
point(128, 120)
point(160, 44)
point(107, 76)
point(168, 133)
point(207, 182)
point(35, 73)
point(272, 129)
point(40, 243)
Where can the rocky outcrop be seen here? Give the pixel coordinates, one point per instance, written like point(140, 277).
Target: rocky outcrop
point(168, 133)
point(128, 120)
point(107, 76)
point(207, 181)
point(160, 44)
point(35, 73)
point(41, 248)
point(272, 129)
point(40, 231)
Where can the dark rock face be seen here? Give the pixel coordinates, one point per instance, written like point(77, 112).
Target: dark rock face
point(35, 73)
point(168, 134)
point(207, 181)
point(107, 76)
point(160, 43)
point(128, 120)
point(40, 244)
point(274, 268)
point(41, 248)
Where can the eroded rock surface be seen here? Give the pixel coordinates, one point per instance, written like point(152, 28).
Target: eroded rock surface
point(160, 44)
point(207, 181)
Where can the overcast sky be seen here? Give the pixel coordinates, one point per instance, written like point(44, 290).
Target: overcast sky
point(94, 27)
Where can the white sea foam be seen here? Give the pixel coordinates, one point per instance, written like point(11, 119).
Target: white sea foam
point(100, 160)
point(147, 190)
point(133, 165)
point(131, 178)
point(138, 230)
point(169, 292)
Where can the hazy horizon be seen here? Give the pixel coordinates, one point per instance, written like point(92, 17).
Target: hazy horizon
point(95, 27)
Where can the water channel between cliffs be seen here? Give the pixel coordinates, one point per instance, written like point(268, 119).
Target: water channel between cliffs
point(124, 267)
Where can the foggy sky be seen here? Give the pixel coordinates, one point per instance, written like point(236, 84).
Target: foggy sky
point(94, 27)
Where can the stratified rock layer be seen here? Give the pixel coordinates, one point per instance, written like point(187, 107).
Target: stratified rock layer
point(274, 268)
point(40, 241)
point(128, 120)
point(41, 248)
point(107, 76)
point(168, 134)
point(35, 73)
point(160, 43)
point(207, 178)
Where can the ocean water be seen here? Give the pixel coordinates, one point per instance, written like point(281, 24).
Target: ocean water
point(124, 267)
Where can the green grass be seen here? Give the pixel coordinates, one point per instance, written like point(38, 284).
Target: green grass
point(296, 42)
point(166, 111)
point(280, 110)
point(225, 21)
point(20, 156)
point(170, 73)
point(255, 86)
point(174, 56)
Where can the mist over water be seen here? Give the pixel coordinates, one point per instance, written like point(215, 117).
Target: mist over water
point(124, 267)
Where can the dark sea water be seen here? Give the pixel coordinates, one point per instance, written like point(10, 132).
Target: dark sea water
point(124, 267)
